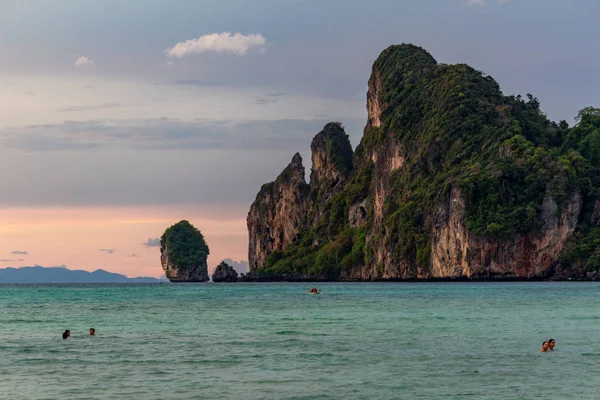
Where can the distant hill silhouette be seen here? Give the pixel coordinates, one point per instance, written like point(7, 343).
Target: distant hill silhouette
point(39, 274)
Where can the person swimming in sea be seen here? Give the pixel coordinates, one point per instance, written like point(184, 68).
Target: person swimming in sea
point(92, 332)
point(545, 346)
point(551, 344)
point(314, 290)
point(66, 334)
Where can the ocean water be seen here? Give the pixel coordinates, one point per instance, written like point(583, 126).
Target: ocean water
point(275, 341)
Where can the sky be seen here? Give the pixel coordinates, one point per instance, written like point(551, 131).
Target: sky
point(120, 118)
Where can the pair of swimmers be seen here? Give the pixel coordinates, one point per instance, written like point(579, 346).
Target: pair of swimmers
point(67, 333)
point(548, 345)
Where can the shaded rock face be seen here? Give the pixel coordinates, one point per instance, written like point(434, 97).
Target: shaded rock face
point(224, 273)
point(357, 214)
point(278, 213)
point(331, 158)
point(332, 164)
point(596, 214)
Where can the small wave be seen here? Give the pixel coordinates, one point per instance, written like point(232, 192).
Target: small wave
point(289, 333)
point(21, 321)
point(311, 355)
point(292, 340)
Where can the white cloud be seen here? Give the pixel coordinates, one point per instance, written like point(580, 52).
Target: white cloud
point(83, 61)
point(152, 242)
point(218, 42)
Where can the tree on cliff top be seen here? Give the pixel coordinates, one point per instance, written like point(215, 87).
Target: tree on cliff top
point(185, 245)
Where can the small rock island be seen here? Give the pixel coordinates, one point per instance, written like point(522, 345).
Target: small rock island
point(183, 253)
point(224, 273)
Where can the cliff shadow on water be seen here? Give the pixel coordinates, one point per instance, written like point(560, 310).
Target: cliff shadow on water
point(452, 180)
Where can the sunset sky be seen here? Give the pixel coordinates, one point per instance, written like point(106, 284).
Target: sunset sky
point(120, 118)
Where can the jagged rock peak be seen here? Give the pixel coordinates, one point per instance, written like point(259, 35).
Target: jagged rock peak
point(294, 172)
point(331, 156)
point(296, 160)
point(278, 213)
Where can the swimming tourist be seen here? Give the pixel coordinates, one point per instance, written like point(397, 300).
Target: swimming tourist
point(545, 346)
point(314, 290)
point(551, 344)
point(92, 332)
point(66, 334)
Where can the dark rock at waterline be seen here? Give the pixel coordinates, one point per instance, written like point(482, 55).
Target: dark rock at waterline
point(224, 273)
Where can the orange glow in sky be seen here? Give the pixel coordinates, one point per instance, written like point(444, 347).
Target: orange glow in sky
point(74, 237)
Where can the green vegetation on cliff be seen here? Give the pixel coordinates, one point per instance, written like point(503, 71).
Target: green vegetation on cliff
point(185, 245)
point(583, 144)
point(335, 143)
point(457, 131)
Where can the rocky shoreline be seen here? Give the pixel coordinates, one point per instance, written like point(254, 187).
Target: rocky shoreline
point(577, 276)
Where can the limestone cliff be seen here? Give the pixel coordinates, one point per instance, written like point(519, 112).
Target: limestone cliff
point(456, 253)
point(183, 253)
point(278, 213)
point(451, 180)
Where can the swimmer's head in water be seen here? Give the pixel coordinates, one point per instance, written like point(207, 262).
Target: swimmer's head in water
point(545, 346)
point(92, 331)
point(66, 334)
point(551, 344)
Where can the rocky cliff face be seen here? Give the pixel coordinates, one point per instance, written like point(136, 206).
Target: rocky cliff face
point(278, 213)
point(444, 184)
point(283, 207)
point(457, 253)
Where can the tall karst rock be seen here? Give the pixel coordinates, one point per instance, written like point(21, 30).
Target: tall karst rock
point(278, 213)
point(183, 253)
point(451, 179)
point(283, 207)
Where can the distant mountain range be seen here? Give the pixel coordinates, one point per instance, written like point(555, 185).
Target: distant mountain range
point(39, 274)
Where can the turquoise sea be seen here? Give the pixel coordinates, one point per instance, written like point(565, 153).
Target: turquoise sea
point(275, 341)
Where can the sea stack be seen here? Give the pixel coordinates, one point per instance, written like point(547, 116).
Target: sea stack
point(183, 253)
point(224, 273)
